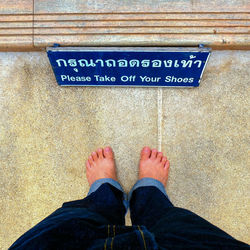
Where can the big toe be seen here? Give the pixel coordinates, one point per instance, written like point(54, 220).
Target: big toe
point(108, 153)
point(145, 153)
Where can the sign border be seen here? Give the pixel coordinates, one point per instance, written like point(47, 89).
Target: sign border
point(130, 49)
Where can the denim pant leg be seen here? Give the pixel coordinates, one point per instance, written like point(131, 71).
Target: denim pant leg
point(80, 222)
point(148, 201)
point(106, 198)
point(174, 227)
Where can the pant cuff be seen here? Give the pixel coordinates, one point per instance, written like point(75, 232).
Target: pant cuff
point(95, 185)
point(145, 182)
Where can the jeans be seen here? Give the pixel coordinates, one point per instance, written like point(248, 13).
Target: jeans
point(97, 222)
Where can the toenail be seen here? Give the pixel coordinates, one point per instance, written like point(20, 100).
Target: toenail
point(107, 149)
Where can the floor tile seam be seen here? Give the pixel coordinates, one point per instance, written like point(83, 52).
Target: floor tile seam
point(159, 119)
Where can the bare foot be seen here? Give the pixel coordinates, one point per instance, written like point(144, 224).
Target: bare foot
point(101, 164)
point(153, 165)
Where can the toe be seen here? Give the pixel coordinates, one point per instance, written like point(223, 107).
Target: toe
point(108, 153)
point(100, 153)
point(153, 154)
point(91, 161)
point(164, 160)
point(167, 165)
point(159, 156)
point(94, 156)
point(145, 153)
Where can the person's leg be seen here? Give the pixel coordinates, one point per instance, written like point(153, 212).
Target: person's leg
point(106, 196)
point(148, 197)
point(173, 227)
point(82, 221)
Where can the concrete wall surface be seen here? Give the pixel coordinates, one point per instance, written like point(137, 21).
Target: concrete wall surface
point(47, 133)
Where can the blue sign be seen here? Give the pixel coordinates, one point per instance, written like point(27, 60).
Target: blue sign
point(150, 67)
